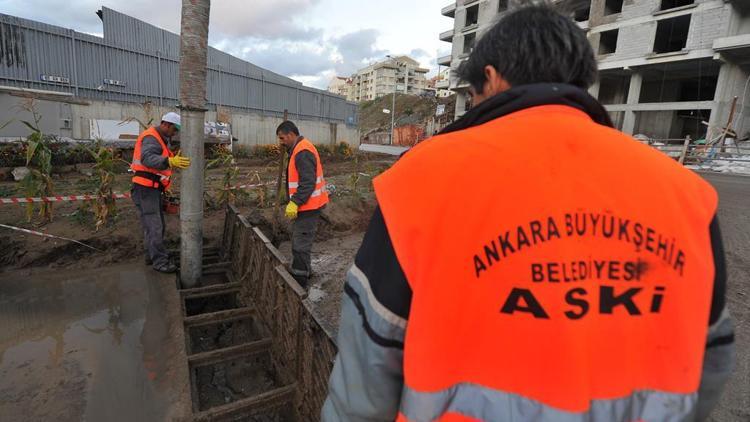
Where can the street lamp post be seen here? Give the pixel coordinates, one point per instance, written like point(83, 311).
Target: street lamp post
point(393, 101)
point(393, 112)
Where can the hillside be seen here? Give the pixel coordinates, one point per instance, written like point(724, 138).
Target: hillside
point(410, 110)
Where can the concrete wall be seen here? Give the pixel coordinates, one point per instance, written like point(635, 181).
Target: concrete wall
point(733, 80)
point(249, 129)
point(655, 124)
point(637, 27)
point(708, 25)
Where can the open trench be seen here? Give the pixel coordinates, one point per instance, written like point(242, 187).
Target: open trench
point(255, 349)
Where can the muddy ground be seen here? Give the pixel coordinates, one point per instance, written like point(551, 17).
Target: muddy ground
point(98, 345)
point(120, 240)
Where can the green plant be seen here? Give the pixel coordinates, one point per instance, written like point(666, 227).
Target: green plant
point(105, 206)
point(147, 120)
point(228, 192)
point(344, 150)
point(261, 192)
point(39, 162)
point(240, 151)
point(266, 151)
point(82, 215)
point(6, 191)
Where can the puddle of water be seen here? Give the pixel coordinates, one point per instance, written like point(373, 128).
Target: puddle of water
point(83, 346)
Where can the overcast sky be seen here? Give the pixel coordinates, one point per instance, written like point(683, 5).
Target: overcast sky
point(308, 40)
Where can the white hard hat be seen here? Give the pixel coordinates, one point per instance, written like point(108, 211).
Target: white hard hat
point(173, 118)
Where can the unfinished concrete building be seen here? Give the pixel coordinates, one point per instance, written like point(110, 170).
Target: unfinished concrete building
point(668, 68)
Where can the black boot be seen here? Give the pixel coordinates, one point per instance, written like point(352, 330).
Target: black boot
point(167, 268)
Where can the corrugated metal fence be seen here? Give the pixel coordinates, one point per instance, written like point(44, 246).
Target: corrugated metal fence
point(137, 62)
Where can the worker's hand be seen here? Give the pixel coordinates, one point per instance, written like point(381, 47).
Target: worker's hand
point(179, 162)
point(291, 210)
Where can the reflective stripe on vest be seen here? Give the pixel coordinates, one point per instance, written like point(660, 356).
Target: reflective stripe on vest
point(574, 268)
point(319, 196)
point(473, 402)
point(137, 164)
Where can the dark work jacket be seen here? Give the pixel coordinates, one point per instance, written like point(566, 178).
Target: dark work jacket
point(151, 152)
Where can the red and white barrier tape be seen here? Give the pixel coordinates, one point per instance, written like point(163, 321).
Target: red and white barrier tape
point(69, 198)
point(51, 236)
point(59, 198)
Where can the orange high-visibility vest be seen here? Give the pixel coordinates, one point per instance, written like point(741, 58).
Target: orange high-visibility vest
point(147, 176)
point(551, 259)
point(319, 196)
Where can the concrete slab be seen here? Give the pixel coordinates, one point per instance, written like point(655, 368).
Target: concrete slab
point(383, 149)
point(101, 345)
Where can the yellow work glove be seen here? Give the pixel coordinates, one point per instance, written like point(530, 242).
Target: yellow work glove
point(291, 210)
point(178, 161)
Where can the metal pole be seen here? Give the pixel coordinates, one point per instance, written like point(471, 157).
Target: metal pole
point(74, 58)
point(262, 94)
point(393, 110)
point(193, 61)
point(158, 70)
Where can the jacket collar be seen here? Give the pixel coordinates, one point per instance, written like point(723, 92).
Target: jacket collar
point(527, 96)
point(291, 150)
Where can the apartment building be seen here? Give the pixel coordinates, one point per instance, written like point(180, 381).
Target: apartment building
point(668, 68)
point(440, 84)
point(340, 86)
point(401, 74)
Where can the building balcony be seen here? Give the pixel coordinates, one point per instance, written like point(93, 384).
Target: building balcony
point(449, 10)
point(443, 84)
point(469, 28)
point(736, 47)
point(445, 60)
point(741, 5)
point(447, 36)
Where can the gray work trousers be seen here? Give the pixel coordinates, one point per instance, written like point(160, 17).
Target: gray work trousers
point(148, 201)
point(303, 235)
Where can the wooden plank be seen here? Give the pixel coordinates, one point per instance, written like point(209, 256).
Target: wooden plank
point(275, 252)
point(270, 399)
point(683, 153)
point(221, 316)
point(212, 250)
point(213, 288)
point(294, 284)
point(260, 235)
point(229, 353)
point(216, 268)
point(212, 293)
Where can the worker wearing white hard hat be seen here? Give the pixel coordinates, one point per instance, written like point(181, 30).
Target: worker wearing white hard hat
point(173, 118)
point(153, 164)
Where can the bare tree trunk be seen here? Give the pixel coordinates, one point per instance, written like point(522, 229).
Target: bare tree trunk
point(193, 61)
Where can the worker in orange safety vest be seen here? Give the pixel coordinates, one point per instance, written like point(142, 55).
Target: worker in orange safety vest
point(153, 163)
point(532, 263)
point(306, 186)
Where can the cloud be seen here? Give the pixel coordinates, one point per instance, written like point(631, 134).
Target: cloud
point(229, 18)
point(282, 56)
point(418, 52)
point(291, 37)
point(277, 19)
point(310, 62)
point(357, 49)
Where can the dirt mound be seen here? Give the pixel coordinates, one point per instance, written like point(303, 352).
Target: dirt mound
point(340, 217)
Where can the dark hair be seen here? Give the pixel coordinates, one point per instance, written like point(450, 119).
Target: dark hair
point(534, 44)
point(286, 128)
